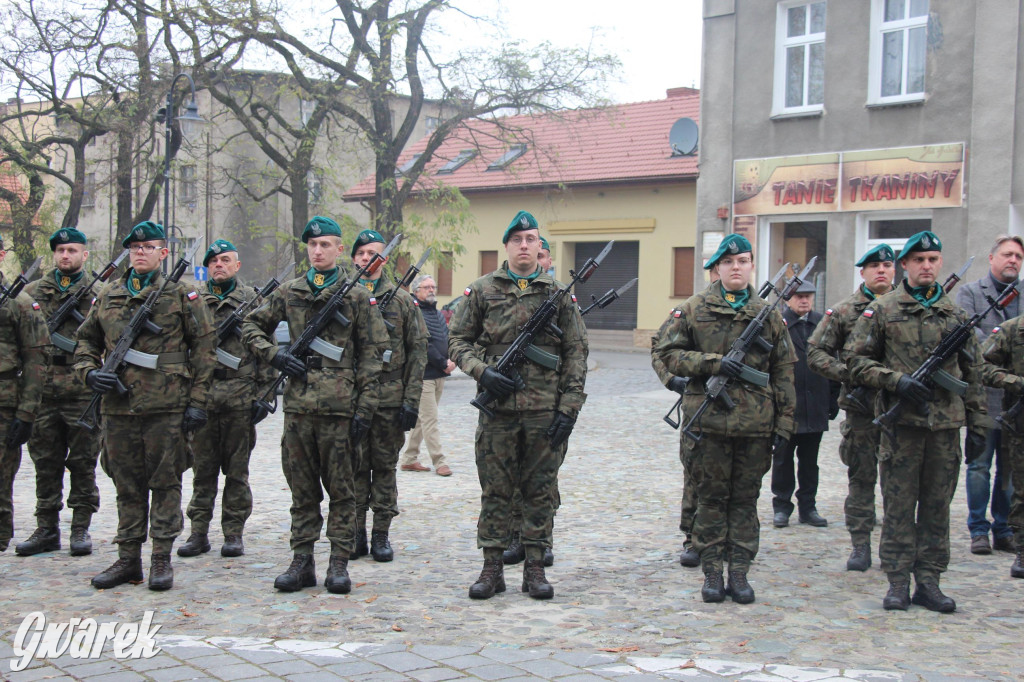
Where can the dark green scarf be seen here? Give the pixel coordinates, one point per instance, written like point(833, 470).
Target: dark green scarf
point(370, 284)
point(65, 282)
point(318, 281)
point(926, 295)
point(221, 289)
point(135, 282)
point(735, 299)
point(523, 282)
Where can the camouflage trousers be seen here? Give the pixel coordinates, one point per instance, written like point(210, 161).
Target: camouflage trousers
point(727, 475)
point(688, 503)
point(513, 452)
point(10, 461)
point(1013, 448)
point(222, 446)
point(516, 519)
point(859, 452)
point(58, 444)
point(145, 456)
point(316, 455)
point(919, 476)
point(376, 485)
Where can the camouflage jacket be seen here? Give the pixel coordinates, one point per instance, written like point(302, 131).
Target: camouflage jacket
point(664, 376)
point(186, 346)
point(401, 377)
point(824, 348)
point(22, 356)
point(693, 346)
point(346, 387)
point(1003, 351)
point(894, 336)
point(58, 376)
point(236, 389)
point(492, 316)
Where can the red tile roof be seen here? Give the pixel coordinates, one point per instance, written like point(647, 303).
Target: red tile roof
point(12, 183)
point(623, 143)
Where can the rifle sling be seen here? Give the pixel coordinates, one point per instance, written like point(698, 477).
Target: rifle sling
point(320, 362)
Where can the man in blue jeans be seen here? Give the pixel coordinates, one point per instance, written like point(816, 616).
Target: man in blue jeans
point(1005, 260)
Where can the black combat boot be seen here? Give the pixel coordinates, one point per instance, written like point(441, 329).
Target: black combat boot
point(689, 556)
point(860, 557)
point(161, 575)
point(1017, 569)
point(301, 573)
point(233, 546)
point(898, 596)
point(534, 580)
point(122, 571)
point(713, 590)
point(515, 551)
point(42, 540)
point(930, 596)
point(549, 556)
point(337, 580)
point(197, 543)
point(491, 580)
point(361, 547)
point(380, 546)
point(81, 541)
point(739, 589)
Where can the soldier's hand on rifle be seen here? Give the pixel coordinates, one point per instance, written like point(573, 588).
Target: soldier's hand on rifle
point(284, 361)
point(560, 429)
point(257, 414)
point(407, 417)
point(194, 419)
point(100, 381)
point(730, 368)
point(358, 429)
point(909, 388)
point(974, 445)
point(17, 433)
point(497, 384)
point(678, 384)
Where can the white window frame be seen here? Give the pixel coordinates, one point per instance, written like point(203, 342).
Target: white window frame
point(782, 43)
point(315, 188)
point(879, 27)
point(189, 183)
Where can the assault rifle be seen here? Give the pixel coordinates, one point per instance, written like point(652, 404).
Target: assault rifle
point(1009, 416)
point(309, 339)
point(608, 298)
point(11, 292)
point(677, 409)
point(69, 308)
point(858, 395)
point(931, 374)
point(714, 388)
point(522, 347)
point(122, 355)
point(384, 301)
point(232, 324)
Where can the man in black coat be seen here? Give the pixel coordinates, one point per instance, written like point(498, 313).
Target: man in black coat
point(816, 404)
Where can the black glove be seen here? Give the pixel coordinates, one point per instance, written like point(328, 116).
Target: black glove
point(358, 429)
point(833, 411)
point(909, 388)
point(678, 384)
point(499, 385)
point(974, 445)
point(407, 417)
point(780, 442)
point(730, 368)
point(17, 433)
point(195, 419)
point(561, 427)
point(285, 362)
point(258, 413)
point(100, 381)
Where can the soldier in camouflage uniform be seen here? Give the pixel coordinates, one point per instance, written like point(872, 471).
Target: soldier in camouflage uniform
point(145, 428)
point(58, 443)
point(859, 447)
point(22, 343)
point(919, 462)
point(734, 451)
point(225, 443)
point(401, 384)
point(328, 404)
point(534, 412)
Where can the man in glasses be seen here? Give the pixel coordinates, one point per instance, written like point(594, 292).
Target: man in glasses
point(145, 428)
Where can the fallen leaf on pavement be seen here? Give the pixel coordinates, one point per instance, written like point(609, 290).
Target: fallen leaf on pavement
point(689, 664)
point(619, 649)
point(396, 628)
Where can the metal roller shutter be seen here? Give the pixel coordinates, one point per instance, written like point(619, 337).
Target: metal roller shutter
point(619, 267)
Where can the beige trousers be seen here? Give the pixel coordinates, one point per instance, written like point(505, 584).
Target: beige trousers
point(426, 426)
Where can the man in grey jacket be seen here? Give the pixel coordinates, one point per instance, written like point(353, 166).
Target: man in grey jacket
point(1005, 260)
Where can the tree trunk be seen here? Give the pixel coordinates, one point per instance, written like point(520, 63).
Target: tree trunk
point(300, 214)
point(123, 181)
point(78, 188)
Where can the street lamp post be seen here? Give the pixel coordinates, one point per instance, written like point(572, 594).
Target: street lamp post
point(187, 122)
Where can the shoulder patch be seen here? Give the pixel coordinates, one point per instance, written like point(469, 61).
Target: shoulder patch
point(373, 301)
point(416, 302)
point(677, 313)
point(467, 292)
point(828, 312)
point(35, 306)
point(93, 301)
point(784, 323)
point(573, 296)
point(192, 295)
point(996, 330)
point(869, 313)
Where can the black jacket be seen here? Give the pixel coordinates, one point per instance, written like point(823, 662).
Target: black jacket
point(437, 344)
point(816, 396)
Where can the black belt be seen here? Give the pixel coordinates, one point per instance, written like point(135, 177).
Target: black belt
point(392, 375)
point(9, 374)
point(320, 362)
point(62, 360)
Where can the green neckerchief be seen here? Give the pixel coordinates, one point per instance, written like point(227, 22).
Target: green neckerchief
point(926, 295)
point(221, 289)
point(523, 282)
point(370, 284)
point(735, 299)
point(65, 282)
point(136, 282)
point(318, 281)
point(867, 292)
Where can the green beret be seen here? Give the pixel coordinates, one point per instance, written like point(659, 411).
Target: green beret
point(318, 226)
point(544, 244)
point(879, 254)
point(922, 241)
point(522, 221)
point(366, 237)
point(218, 247)
point(144, 232)
point(66, 235)
point(730, 246)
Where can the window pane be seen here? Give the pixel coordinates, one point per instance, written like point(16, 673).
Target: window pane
point(795, 76)
point(918, 8)
point(818, 17)
point(916, 57)
point(892, 63)
point(796, 20)
point(894, 10)
point(816, 75)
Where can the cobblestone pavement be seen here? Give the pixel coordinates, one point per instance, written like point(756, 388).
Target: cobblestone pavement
point(623, 606)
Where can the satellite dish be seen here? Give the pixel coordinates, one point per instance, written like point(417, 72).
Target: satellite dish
point(682, 138)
